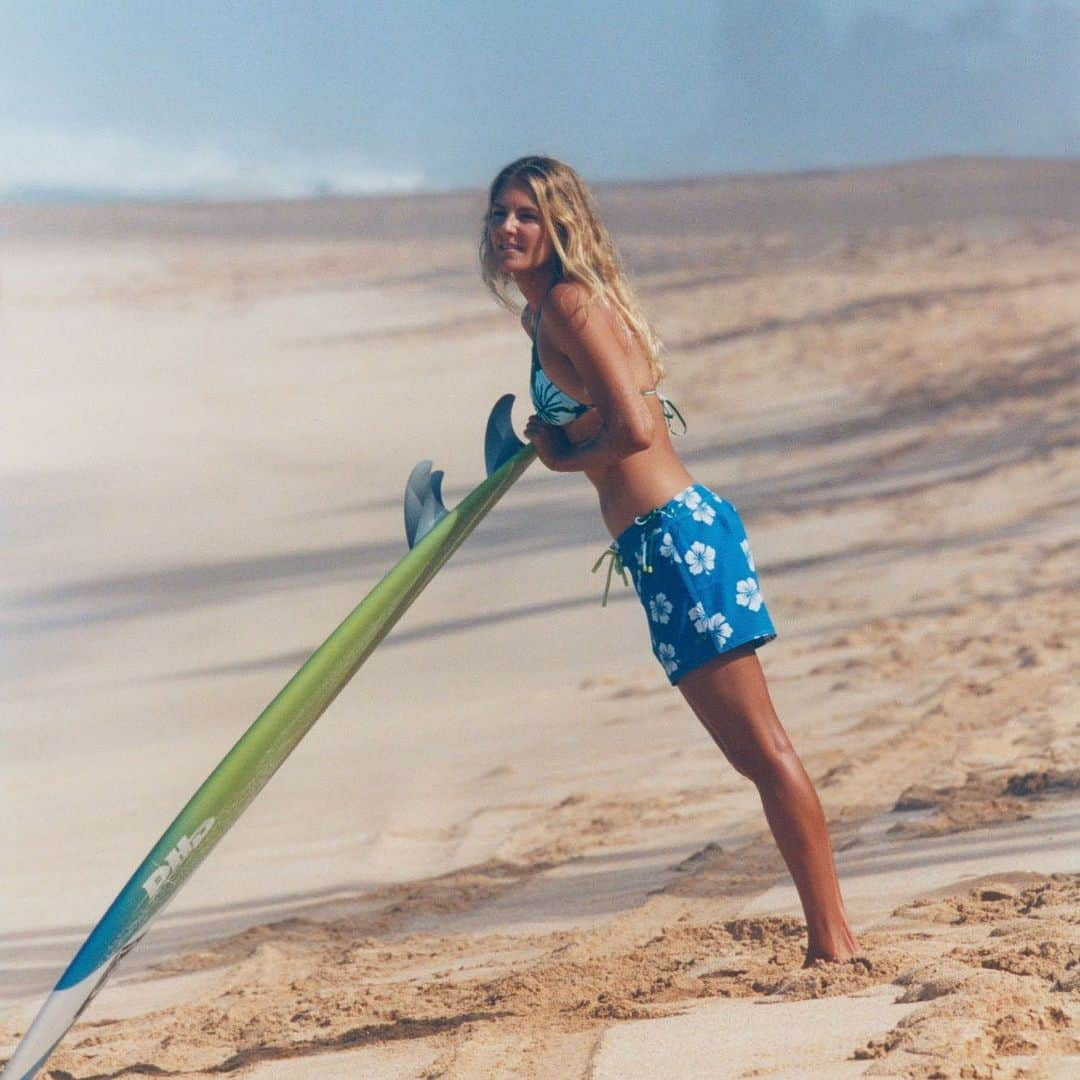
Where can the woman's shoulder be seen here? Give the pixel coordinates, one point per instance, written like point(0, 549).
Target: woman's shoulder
point(569, 306)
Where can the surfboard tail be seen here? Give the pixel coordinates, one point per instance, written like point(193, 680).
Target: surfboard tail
point(55, 1018)
point(434, 533)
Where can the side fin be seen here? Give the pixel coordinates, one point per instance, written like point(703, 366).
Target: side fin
point(423, 501)
point(424, 506)
point(500, 442)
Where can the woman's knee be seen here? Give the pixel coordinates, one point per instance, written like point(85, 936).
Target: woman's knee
point(733, 702)
point(764, 757)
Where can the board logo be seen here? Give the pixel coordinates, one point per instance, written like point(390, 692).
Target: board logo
point(176, 858)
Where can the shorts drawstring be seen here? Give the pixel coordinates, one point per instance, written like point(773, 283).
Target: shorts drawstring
point(648, 535)
point(644, 558)
point(616, 566)
point(645, 522)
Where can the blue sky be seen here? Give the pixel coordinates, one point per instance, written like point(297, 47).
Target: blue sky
point(291, 97)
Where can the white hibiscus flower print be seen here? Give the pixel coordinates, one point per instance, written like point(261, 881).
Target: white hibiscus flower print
point(667, 548)
point(667, 657)
point(720, 629)
point(699, 509)
point(748, 594)
point(745, 545)
point(660, 608)
point(717, 624)
point(700, 558)
point(705, 513)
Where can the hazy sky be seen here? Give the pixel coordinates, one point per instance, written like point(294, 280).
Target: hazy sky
point(278, 97)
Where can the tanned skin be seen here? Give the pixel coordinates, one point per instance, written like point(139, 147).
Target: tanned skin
point(623, 446)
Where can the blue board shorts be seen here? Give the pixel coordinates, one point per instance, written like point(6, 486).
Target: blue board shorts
point(691, 565)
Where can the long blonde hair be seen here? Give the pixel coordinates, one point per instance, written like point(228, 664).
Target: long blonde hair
point(584, 251)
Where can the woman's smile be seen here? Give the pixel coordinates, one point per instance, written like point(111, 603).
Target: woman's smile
point(517, 232)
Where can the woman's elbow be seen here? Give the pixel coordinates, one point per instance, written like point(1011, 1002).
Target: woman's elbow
point(635, 434)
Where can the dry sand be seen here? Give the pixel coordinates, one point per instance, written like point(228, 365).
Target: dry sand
point(508, 850)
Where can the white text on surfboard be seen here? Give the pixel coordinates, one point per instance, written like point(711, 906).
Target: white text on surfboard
point(176, 858)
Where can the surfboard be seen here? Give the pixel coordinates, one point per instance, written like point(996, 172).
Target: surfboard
point(433, 534)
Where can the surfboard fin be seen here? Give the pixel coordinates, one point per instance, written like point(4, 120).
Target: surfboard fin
point(500, 442)
point(424, 507)
point(423, 502)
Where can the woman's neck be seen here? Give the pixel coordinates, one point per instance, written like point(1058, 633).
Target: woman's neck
point(534, 285)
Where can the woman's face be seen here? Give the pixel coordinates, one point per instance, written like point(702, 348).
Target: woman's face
point(519, 241)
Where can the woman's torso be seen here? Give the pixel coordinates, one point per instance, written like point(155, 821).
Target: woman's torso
point(634, 485)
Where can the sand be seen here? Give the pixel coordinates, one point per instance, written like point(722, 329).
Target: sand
point(508, 849)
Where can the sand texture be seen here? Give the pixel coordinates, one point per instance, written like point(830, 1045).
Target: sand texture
point(508, 849)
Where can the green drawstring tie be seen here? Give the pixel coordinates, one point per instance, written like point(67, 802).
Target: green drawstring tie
point(612, 552)
point(645, 522)
point(615, 566)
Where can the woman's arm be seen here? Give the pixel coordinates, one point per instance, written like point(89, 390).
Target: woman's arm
point(587, 335)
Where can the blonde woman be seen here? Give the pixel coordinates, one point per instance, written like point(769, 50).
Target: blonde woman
point(594, 385)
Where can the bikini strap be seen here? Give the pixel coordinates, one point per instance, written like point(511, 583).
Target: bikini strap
point(539, 308)
point(536, 338)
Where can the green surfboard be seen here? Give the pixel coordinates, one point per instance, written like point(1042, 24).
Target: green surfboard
point(434, 534)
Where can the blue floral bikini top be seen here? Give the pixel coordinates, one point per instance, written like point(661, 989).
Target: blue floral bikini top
point(552, 405)
point(556, 407)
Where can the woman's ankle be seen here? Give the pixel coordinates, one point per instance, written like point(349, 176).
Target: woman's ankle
point(833, 948)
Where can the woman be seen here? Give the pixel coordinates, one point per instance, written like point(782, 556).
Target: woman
point(595, 369)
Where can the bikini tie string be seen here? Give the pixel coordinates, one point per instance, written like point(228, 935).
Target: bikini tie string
point(615, 566)
point(671, 414)
point(670, 411)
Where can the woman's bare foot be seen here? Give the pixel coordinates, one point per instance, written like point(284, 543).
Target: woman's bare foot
point(845, 949)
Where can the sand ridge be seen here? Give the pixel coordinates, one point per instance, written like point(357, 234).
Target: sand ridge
point(994, 966)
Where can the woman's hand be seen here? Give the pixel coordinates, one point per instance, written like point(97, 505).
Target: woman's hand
point(550, 442)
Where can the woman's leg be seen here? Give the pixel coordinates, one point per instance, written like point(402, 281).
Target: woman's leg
point(731, 699)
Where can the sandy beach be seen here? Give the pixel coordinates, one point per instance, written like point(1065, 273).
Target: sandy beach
point(508, 849)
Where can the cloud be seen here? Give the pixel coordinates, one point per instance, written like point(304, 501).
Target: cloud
point(990, 77)
point(39, 162)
